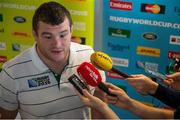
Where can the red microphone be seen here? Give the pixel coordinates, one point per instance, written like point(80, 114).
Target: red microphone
point(92, 76)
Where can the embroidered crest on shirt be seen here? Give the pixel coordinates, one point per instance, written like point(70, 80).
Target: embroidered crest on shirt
point(39, 81)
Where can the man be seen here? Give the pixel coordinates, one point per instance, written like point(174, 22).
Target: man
point(35, 83)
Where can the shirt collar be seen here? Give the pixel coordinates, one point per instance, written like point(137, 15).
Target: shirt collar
point(72, 54)
point(37, 60)
point(39, 63)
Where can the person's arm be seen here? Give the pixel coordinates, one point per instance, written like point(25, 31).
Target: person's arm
point(167, 96)
point(6, 114)
point(102, 96)
point(7, 85)
point(95, 113)
point(145, 85)
point(136, 107)
point(144, 111)
point(97, 104)
point(177, 113)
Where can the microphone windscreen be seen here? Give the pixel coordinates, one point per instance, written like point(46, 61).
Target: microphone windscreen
point(92, 76)
point(101, 61)
point(89, 73)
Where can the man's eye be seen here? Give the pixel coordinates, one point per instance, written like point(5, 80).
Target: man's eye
point(62, 36)
point(47, 37)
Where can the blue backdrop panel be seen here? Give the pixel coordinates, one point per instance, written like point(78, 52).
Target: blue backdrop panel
point(140, 30)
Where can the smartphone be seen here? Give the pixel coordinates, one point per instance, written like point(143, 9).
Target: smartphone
point(156, 74)
point(77, 83)
point(151, 73)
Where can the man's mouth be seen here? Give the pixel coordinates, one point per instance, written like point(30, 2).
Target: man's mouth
point(56, 51)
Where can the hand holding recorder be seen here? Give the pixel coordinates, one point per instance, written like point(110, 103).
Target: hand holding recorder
point(98, 104)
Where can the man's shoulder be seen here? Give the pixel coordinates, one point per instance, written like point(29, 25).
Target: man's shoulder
point(23, 56)
point(78, 46)
point(81, 50)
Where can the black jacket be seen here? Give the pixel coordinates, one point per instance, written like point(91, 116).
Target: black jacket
point(170, 98)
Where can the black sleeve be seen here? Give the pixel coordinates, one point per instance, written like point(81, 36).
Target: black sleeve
point(168, 96)
point(177, 113)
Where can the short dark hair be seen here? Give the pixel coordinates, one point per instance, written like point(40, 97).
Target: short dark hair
point(51, 13)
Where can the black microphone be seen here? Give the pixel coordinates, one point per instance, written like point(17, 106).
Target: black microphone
point(77, 83)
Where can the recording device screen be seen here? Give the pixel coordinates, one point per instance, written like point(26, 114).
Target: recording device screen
point(77, 83)
point(151, 73)
point(156, 74)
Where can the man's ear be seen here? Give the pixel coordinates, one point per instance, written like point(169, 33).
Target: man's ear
point(35, 35)
point(71, 28)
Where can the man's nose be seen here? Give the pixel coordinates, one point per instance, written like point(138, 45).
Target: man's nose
point(57, 41)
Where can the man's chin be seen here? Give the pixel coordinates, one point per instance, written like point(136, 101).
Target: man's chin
point(57, 59)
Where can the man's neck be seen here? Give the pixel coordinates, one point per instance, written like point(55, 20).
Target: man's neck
point(56, 67)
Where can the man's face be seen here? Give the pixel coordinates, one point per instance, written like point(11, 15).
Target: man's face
point(53, 41)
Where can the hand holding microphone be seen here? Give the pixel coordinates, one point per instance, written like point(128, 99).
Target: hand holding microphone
point(104, 62)
point(92, 76)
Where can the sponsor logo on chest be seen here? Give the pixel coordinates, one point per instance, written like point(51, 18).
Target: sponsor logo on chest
point(39, 81)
